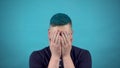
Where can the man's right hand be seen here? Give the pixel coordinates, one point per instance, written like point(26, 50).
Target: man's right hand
point(55, 46)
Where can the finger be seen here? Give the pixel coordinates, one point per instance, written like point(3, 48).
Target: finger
point(67, 36)
point(54, 36)
point(58, 42)
point(62, 41)
point(63, 37)
point(57, 37)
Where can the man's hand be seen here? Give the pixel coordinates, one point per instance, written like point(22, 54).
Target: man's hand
point(66, 44)
point(55, 49)
point(66, 40)
point(55, 46)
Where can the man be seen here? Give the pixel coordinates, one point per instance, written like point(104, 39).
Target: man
point(60, 53)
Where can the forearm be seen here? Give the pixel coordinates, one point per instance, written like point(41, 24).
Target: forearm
point(54, 62)
point(68, 63)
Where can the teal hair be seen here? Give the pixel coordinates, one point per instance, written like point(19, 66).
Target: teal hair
point(60, 19)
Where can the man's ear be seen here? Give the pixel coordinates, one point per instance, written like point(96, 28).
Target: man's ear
point(49, 34)
point(71, 36)
point(71, 32)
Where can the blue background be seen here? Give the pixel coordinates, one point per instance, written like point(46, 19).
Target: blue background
point(24, 28)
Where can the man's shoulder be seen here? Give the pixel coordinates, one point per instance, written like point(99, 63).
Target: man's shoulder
point(40, 54)
point(80, 54)
point(43, 50)
point(78, 49)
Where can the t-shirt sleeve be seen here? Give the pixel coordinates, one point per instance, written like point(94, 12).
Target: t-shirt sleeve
point(85, 60)
point(35, 60)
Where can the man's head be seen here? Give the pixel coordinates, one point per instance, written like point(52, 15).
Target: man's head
point(60, 19)
point(61, 22)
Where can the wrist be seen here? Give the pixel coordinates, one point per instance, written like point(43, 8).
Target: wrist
point(54, 62)
point(67, 56)
point(55, 57)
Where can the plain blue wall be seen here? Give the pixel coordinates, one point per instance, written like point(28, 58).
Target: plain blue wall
point(24, 25)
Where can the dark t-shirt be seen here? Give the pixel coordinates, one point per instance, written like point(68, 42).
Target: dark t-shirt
point(80, 57)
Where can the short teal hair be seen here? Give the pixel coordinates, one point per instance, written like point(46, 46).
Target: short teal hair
point(60, 19)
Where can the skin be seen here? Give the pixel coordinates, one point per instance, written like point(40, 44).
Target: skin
point(60, 46)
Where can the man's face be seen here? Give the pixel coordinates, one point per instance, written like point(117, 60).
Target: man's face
point(66, 28)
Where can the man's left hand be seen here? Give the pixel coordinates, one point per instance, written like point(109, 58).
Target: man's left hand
point(66, 42)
